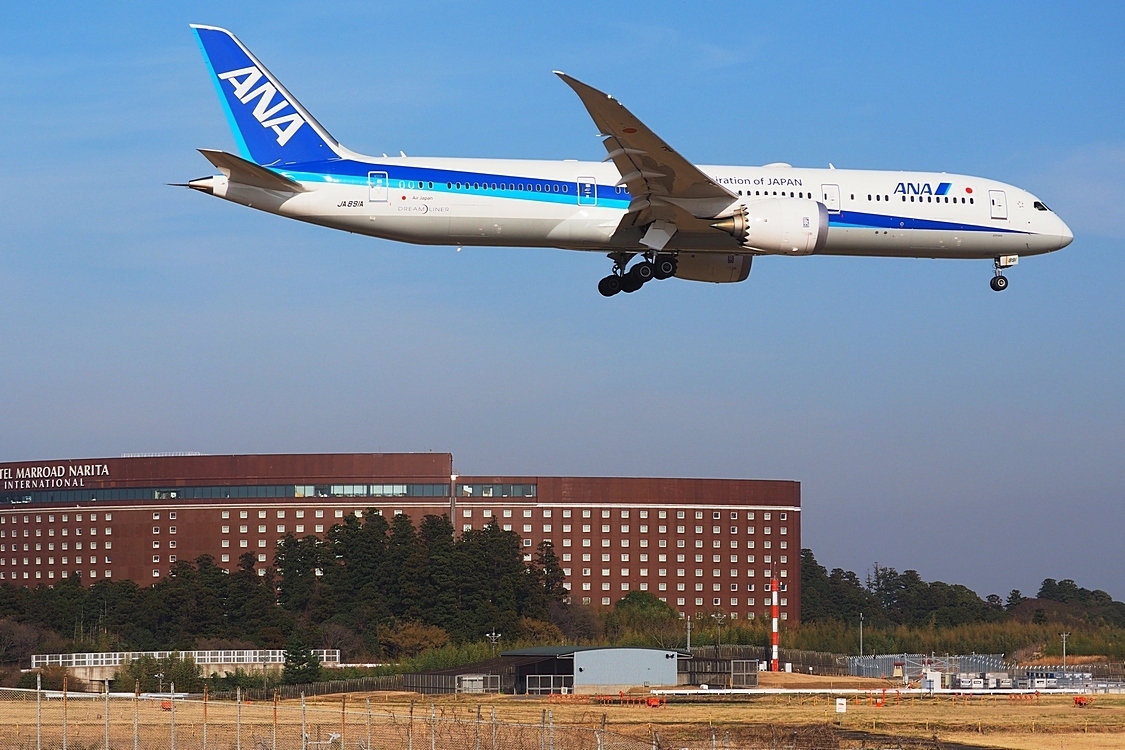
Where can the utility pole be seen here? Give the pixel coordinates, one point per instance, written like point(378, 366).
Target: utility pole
point(861, 634)
point(689, 633)
point(493, 638)
point(1064, 637)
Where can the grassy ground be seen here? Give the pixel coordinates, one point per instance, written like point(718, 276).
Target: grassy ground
point(992, 721)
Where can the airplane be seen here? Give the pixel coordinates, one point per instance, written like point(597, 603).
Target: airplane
point(644, 203)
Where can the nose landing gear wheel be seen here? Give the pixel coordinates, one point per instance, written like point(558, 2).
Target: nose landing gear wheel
point(998, 283)
point(610, 285)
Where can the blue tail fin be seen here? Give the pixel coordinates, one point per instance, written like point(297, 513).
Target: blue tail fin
point(270, 126)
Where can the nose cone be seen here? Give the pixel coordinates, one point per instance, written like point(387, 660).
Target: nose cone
point(1065, 235)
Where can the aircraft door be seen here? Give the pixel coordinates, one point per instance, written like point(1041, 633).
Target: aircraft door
point(999, 204)
point(587, 191)
point(830, 196)
point(377, 187)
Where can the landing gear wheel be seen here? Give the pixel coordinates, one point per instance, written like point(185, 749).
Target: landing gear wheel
point(664, 267)
point(643, 271)
point(998, 283)
point(630, 283)
point(610, 285)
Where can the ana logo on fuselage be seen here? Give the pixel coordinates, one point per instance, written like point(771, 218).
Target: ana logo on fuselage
point(922, 188)
point(265, 110)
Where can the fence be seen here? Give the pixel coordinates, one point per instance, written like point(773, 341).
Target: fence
point(912, 665)
point(327, 687)
point(232, 658)
point(53, 720)
point(710, 663)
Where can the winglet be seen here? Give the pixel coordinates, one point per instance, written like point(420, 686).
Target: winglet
point(648, 165)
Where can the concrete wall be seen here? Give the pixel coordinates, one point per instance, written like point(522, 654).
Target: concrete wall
point(614, 669)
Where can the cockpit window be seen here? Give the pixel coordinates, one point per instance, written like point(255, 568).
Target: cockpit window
point(1039, 206)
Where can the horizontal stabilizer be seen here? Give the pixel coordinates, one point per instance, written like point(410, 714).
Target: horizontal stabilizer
point(245, 172)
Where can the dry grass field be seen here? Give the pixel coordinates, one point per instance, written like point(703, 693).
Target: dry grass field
point(997, 722)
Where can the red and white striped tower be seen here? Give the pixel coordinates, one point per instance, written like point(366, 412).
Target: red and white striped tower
point(773, 614)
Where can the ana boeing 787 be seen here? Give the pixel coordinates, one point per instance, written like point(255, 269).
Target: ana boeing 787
point(651, 211)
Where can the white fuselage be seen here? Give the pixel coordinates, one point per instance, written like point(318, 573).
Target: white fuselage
point(577, 205)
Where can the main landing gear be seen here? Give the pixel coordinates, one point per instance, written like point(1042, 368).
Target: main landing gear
point(999, 282)
point(646, 269)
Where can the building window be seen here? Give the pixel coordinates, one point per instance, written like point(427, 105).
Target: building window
point(319, 529)
point(280, 529)
point(156, 574)
point(226, 514)
point(243, 543)
point(225, 543)
point(155, 517)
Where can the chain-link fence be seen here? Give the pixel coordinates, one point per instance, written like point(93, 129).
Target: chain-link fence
point(55, 720)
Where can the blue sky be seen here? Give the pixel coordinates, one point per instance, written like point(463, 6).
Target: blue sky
point(934, 424)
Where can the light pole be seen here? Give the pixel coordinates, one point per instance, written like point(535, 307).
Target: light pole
point(493, 638)
point(160, 677)
point(861, 634)
point(719, 617)
point(1064, 637)
point(689, 633)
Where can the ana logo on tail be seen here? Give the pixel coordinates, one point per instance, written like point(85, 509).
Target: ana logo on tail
point(244, 80)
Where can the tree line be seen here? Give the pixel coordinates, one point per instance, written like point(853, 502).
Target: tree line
point(384, 589)
point(376, 589)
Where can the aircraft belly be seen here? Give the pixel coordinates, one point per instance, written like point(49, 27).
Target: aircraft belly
point(925, 243)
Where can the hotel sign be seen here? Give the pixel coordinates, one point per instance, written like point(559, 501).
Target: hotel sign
point(50, 476)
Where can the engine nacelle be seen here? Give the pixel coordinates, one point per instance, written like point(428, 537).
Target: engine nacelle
point(779, 226)
point(714, 267)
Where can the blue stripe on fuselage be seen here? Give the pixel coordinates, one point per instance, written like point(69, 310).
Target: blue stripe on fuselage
point(348, 172)
point(861, 220)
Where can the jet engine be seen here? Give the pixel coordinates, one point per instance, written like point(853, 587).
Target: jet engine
point(779, 226)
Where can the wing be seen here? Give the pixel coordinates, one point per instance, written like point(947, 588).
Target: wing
point(665, 186)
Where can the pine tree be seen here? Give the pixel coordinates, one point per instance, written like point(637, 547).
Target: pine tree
point(551, 573)
point(301, 667)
